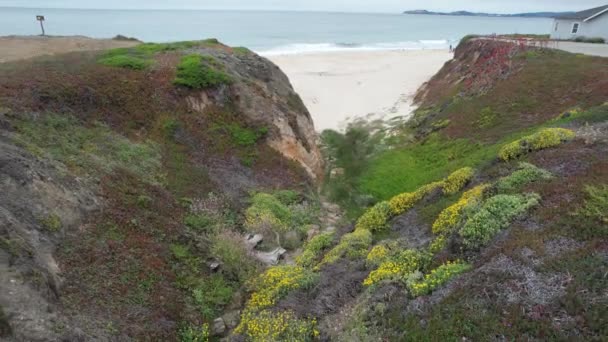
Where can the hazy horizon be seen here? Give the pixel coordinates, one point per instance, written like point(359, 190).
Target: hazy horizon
point(341, 6)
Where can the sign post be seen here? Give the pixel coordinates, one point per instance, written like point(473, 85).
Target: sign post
point(40, 18)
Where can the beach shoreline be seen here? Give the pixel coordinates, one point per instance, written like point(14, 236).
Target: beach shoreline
point(340, 86)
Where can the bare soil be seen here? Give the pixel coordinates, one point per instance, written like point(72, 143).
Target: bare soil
point(23, 47)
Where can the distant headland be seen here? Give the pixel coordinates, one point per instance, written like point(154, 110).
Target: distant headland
point(476, 14)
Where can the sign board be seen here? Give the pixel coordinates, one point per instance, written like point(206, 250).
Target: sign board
point(40, 17)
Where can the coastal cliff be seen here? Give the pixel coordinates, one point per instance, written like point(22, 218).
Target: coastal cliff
point(104, 156)
point(169, 192)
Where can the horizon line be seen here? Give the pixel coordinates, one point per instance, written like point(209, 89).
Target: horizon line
point(402, 12)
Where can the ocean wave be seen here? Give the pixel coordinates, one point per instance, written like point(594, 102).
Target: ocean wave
point(301, 48)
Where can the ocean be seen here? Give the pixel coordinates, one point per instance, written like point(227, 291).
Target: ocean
point(269, 32)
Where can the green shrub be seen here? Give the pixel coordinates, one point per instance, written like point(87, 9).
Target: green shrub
point(596, 204)
point(199, 72)
point(245, 137)
point(180, 252)
point(212, 295)
point(495, 214)
point(486, 118)
point(438, 277)
point(545, 138)
point(457, 180)
point(526, 174)
point(397, 267)
point(314, 248)
point(194, 334)
point(52, 223)
point(124, 61)
point(267, 212)
point(353, 245)
point(200, 223)
point(240, 50)
point(288, 197)
point(236, 263)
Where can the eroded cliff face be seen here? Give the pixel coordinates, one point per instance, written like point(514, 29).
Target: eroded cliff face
point(99, 166)
point(266, 96)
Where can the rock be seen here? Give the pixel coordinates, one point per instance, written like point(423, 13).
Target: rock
point(253, 241)
point(232, 319)
point(334, 173)
point(270, 258)
point(218, 327)
point(214, 266)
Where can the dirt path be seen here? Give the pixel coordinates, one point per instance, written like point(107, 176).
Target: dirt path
point(22, 47)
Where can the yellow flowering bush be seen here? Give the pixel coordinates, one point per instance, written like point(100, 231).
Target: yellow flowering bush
point(438, 277)
point(396, 268)
point(548, 137)
point(377, 255)
point(276, 282)
point(268, 326)
point(405, 201)
point(457, 180)
point(449, 218)
point(313, 249)
point(353, 245)
point(375, 218)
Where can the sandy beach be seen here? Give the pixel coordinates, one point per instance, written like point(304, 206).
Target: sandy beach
point(339, 86)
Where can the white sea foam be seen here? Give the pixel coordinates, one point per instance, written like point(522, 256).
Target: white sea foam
point(292, 49)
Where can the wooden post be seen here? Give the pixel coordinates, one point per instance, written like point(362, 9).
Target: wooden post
point(40, 18)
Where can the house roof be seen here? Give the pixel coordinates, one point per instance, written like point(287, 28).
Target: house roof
point(586, 15)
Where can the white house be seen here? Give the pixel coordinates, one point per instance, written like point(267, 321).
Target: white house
point(592, 23)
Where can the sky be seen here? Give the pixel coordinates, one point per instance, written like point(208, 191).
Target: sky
point(388, 6)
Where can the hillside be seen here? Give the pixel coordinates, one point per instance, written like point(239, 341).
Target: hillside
point(124, 174)
point(169, 192)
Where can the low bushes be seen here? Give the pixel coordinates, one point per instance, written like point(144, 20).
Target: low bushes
point(495, 215)
point(450, 217)
point(314, 248)
point(277, 215)
point(375, 218)
point(403, 202)
point(212, 294)
point(125, 61)
point(276, 282)
point(396, 268)
point(199, 72)
point(545, 138)
point(438, 277)
point(378, 255)
point(596, 204)
point(353, 245)
point(526, 174)
point(457, 180)
point(194, 334)
point(229, 248)
point(268, 326)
